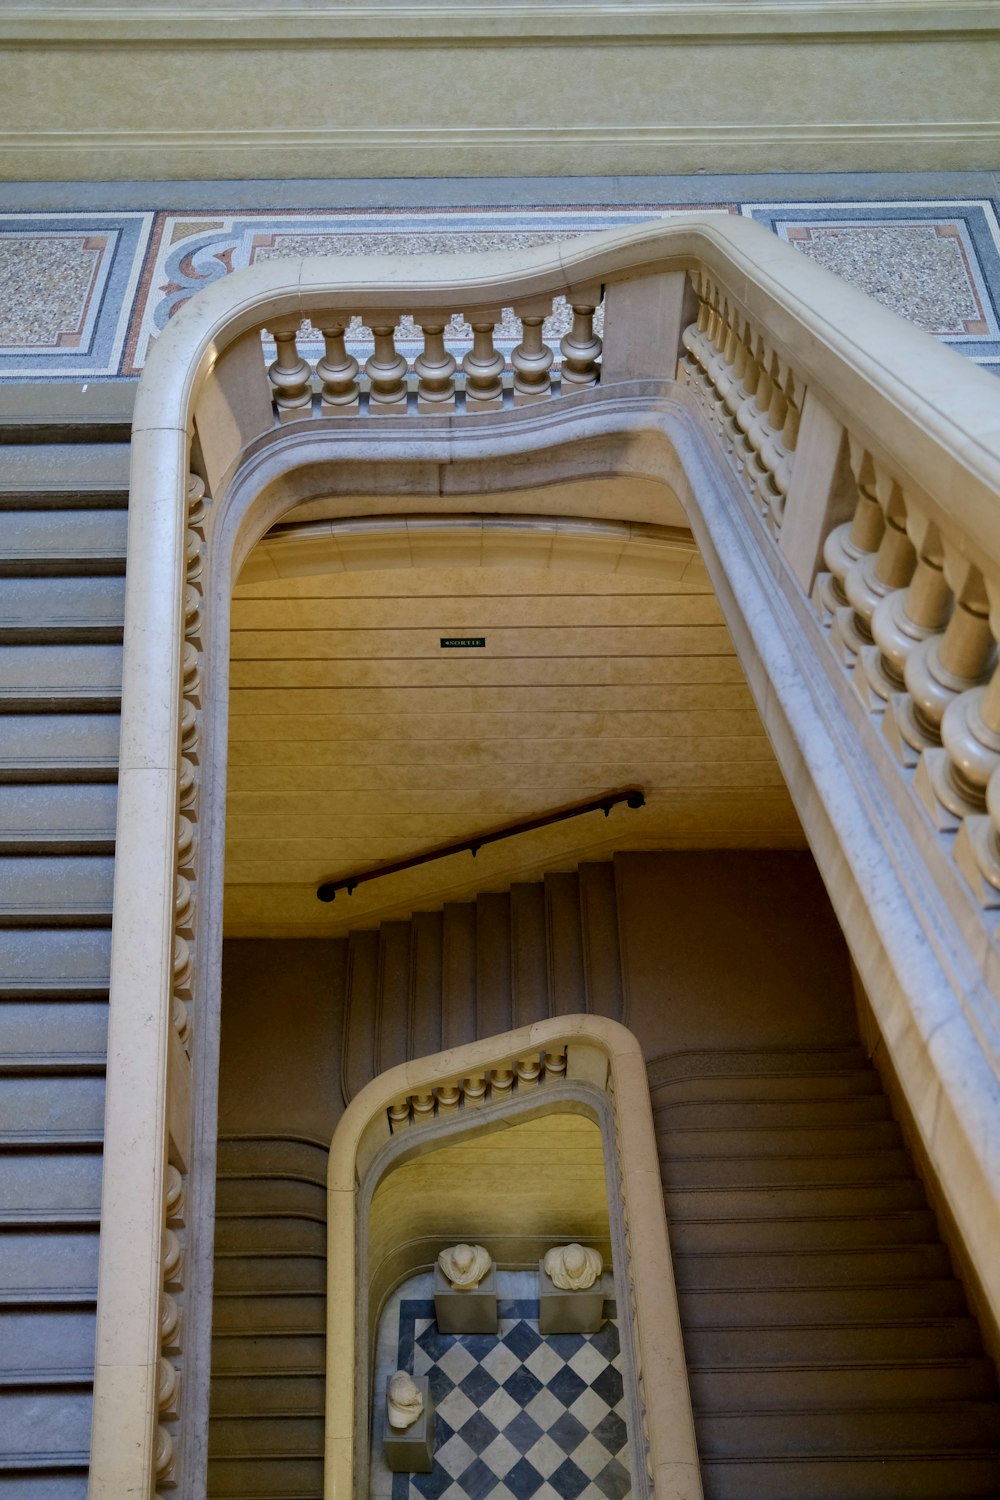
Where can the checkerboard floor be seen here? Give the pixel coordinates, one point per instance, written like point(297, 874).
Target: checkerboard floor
point(517, 1416)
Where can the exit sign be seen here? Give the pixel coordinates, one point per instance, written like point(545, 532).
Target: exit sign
point(459, 642)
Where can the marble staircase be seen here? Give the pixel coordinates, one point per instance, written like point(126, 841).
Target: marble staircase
point(63, 493)
point(830, 1349)
point(408, 989)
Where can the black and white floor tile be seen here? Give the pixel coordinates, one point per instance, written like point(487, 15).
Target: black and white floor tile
point(517, 1416)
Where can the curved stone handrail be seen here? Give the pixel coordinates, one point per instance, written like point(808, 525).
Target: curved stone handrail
point(604, 1054)
point(924, 445)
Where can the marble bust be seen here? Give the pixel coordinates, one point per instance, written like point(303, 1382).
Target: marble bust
point(403, 1400)
point(572, 1268)
point(464, 1266)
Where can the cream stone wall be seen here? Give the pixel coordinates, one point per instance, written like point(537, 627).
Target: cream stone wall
point(342, 90)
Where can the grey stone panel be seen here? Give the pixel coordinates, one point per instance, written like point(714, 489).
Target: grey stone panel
point(57, 886)
point(59, 745)
point(32, 1107)
point(36, 608)
point(45, 1185)
point(62, 1033)
point(61, 541)
point(58, 817)
point(36, 1343)
point(34, 1266)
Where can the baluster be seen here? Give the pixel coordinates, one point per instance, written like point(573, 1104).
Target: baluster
point(502, 1079)
point(529, 1070)
point(399, 1113)
point(692, 339)
point(941, 667)
point(959, 773)
point(581, 348)
point(289, 376)
point(386, 369)
point(475, 1090)
point(483, 365)
point(340, 392)
point(532, 359)
point(905, 617)
point(736, 392)
point(852, 539)
point(870, 580)
point(555, 1064)
point(423, 1106)
point(749, 409)
point(977, 848)
point(434, 367)
point(449, 1096)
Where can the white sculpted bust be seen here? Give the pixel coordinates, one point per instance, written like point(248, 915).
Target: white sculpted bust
point(572, 1268)
point(404, 1401)
point(464, 1266)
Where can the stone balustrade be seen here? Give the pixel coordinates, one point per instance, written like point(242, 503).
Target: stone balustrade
point(435, 382)
point(501, 1081)
point(908, 613)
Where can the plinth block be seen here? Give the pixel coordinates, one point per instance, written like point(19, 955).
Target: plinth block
point(568, 1312)
point(474, 1311)
point(410, 1450)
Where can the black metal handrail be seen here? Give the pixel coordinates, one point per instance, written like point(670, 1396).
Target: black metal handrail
point(631, 796)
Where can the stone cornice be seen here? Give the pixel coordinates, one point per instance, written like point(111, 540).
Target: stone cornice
point(375, 24)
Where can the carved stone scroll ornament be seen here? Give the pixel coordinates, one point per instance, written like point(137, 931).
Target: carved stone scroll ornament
point(572, 1268)
point(404, 1401)
point(464, 1266)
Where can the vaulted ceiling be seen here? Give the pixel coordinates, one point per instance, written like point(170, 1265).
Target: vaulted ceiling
point(356, 738)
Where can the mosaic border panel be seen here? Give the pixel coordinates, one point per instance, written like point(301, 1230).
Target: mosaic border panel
point(95, 261)
point(898, 275)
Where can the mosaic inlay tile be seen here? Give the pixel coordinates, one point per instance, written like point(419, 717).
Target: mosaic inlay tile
point(936, 264)
point(517, 1416)
point(68, 281)
point(191, 253)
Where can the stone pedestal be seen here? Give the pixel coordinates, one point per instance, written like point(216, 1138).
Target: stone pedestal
point(410, 1450)
point(474, 1311)
point(568, 1312)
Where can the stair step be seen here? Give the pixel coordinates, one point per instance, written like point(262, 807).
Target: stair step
point(250, 1158)
point(458, 999)
point(43, 1425)
point(879, 1342)
point(46, 1183)
point(55, 962)
point(791, 1388)
point(270, 1273)
point(53, 1034)
point(254, 1234)
point(60, 747)
point(739, 1087)
point(832, 1268)
point(529, 954)
point(601, 944)
point(42, 1343)
point(804, 1066)
point(858, 1168)
point(688, 1143)
point(794, 1200)
point(67, 678)
point(737, 1307)
point(249, 1354)
point(45, 1485)
point(239, 1395)
point(267, 1195)
point(692, 1237)
point(63, 542)
point(239, 1478)
point(62, 609)
point(51, 1104)
point(64, 476)
point(267, 1313)
point(929, 1476)
point(50, 1266)
point(754, 1113)
point(63, 889)
point(493, 964)
point(60, 819)
point(427, 954)
point(856, 1430)
point(285, 1437)
point(567, 979)
point(392, 1017)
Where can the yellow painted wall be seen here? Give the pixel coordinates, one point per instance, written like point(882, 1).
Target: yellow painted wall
point(321, 90)
point(516, 1190)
